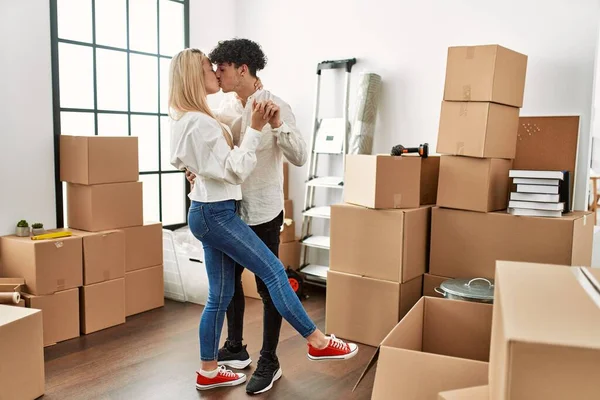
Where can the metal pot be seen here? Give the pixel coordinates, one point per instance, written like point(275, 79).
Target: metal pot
point(479, 290)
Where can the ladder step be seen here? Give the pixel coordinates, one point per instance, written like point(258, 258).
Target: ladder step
point(335, 182)
point(315, 272)
point(318, 212)
point(318, 242)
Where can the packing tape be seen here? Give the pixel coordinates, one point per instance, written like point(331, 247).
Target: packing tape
point(466, 93)
point(460, 148)
point(464, 109)
point(10, 298)
point(106, 275)
point(589, 284)
point(60, 285)
point(398, 200)
point(584, 220)
point(59, 244)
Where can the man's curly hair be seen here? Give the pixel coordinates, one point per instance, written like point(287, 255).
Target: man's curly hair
point(239, 52)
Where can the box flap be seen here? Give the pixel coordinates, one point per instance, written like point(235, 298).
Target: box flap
point(10, 314)
point(11, 284)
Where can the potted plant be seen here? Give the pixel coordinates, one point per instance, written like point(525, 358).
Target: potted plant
point(37, 228)
point(22, 228)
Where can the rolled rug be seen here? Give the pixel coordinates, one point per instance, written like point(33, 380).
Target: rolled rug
point(363, 126)
point(10, 298)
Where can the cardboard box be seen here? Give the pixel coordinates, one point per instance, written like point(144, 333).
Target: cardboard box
point(484, 130)
point(288, 209)
point(430, 282)
point(475, 184)
point(93, 160)
point(286, 181)
point(439, 345)
point(60, 312)
point(289, 255)
point(364, 309)
point(545, 342)
point(249, 285)
point(47, 266)
point(288, 234)
point(384, 182)
point(485, 73)
point(467, 244)
point(144, 290)
point(474, 393)
point(103, 255)
point(397, 242)
point(143, 246)
point(102, 305)
point(104, 207)
point(22, 354)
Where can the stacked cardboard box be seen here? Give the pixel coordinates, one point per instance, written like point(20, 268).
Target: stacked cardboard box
point(379, 244)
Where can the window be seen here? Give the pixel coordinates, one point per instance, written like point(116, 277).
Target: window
point(110, 64)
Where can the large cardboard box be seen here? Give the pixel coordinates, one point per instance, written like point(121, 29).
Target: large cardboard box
point(485, 130)
point(104, 207)
point(288, 209)
point(47, 266)
point(430, 282)
point(249, 285)
point(364, 309)
point(384, 182)
point(439, 345)
point(485, 73)
point(102, 305)
point(103, 255)
point(289, 255)
point(60, 312)
point(397, 242)
point(546, 341)
point(288, 234)
point(143, 246)
point(21, 354)
point(475, 184)
point(286, 181)
point(92, 160)
point(144, 290)
point(466, 244)
point(474, 393)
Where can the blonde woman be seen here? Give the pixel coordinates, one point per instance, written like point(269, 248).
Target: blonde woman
point(204, 146)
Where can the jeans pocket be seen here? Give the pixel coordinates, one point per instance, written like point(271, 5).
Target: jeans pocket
point(197, 222)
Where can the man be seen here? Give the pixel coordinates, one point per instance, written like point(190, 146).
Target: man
point(238, 62)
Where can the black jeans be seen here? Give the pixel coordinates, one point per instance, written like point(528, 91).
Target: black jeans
point(269, 234)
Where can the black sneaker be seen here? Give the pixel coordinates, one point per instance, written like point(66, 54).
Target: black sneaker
point(239, 360)
point(264, 377)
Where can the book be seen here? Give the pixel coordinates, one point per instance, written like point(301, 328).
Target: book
point(538, 189)
point(521, 173)
point(526, 212)
point(539, 197)
point(535, 181)
point(534, 205)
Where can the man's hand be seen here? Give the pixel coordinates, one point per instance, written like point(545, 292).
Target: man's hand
point(190, 177)
point(273, 113)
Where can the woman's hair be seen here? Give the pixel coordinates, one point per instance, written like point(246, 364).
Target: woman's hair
point(187, 91)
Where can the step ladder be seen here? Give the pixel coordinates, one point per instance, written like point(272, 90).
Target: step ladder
point(329, 137)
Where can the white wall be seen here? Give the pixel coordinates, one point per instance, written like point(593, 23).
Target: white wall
point(406, 43)
point(26, 131)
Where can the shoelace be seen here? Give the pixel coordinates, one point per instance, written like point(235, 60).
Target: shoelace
point(265, 368)
point(337, 343)
point(226, 372)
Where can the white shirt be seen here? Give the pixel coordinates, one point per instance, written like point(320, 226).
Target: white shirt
point(262, 191)
point(198, 144)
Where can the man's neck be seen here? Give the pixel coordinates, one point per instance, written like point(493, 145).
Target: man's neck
point(246, 91)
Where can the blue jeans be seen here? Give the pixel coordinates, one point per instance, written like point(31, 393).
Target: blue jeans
point(226, 240)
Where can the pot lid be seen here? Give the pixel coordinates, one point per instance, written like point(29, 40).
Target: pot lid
point(476, 288)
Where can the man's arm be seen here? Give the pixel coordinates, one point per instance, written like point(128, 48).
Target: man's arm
point(289, 137)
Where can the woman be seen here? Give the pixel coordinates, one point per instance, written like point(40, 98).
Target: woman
point(204, 146)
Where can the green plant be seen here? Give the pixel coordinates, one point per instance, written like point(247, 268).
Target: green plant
point(37, 225)
point(22, 224)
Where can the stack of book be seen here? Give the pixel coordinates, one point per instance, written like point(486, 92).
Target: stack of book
point(540, 193)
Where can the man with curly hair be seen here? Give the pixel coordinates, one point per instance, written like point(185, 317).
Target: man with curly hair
point(237, 62)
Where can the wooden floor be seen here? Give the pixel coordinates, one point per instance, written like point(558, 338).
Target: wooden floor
point(155, 356)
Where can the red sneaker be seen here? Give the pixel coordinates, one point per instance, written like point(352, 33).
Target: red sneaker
point(224, 377)
point(336, 350)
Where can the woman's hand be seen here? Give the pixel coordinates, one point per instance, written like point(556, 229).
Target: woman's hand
point(273, 114)
point(258, 84)
point(259, 119)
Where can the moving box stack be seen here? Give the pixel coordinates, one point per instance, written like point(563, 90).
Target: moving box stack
point(379, 244)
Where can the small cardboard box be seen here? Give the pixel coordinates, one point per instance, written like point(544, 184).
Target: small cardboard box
point(289, 255)
point(385, 182)
point(102, 305)
point(484, 130)
point(60, 313)
point(485, 73)
point(474, 184)
point(288, 209)
point(143, 246)
point(355, 311)
point(439, 345)
point(474, 393)
point(104, 207)
point(286, 181)
point(144, 290)
point(288, 234)
point(430, 282)
point(249, 284)
point(466, 244)
point(545, 342)
point(47, 266)
point(397, 242)
point(22, 353)
point(93, 160)
point(103, 255)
